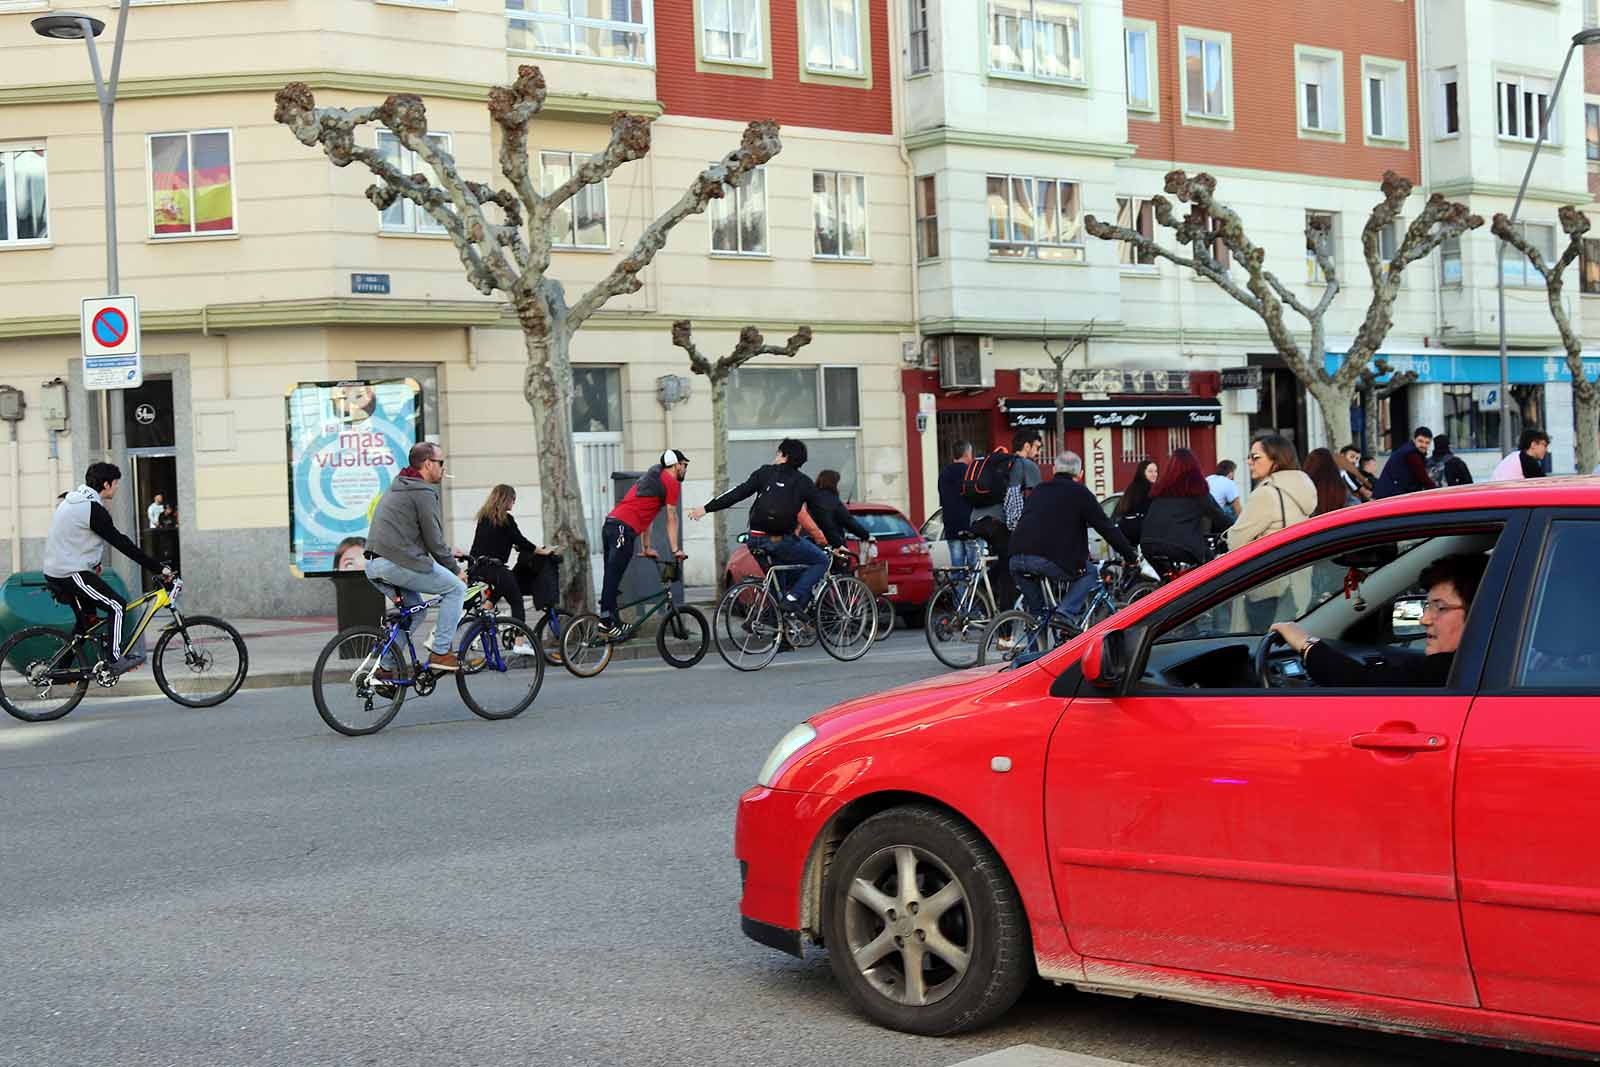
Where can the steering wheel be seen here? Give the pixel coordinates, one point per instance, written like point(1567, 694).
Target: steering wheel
point(1264, 649)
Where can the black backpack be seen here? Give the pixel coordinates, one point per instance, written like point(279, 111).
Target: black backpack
point(984, 483)
point(776, 508)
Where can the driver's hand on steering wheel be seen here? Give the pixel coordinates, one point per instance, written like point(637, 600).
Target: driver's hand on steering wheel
point(1294, 635)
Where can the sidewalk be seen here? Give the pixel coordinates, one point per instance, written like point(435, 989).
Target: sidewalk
point(284, 651)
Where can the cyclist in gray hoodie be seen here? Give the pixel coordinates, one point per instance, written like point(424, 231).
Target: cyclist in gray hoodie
point(406, 548)
point(75, 549)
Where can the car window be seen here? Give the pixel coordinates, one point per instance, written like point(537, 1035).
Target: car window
point(885, 524)
point(933, 529)
point(1561, 648)
point(1375, 575)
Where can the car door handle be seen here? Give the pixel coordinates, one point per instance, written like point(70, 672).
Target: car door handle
point(1401, 742)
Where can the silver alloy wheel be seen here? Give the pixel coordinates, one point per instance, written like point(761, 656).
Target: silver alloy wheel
point(908, 925)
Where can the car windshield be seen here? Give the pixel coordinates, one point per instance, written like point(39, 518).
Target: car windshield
point(885, 524)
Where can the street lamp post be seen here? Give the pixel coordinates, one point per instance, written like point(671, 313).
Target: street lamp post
point(1581, 38)
point(71, 26)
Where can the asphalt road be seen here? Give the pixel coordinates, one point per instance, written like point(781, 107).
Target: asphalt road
point(243, 886)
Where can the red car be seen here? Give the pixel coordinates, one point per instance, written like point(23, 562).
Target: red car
point(1170, 806)
point(899, 545)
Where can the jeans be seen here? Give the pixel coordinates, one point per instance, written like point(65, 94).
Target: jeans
point(792, 550)
point(437, 581)
point(994, 531)
point(618, 539)
point(1078, 590)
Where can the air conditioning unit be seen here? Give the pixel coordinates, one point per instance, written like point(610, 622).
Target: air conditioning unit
point(966, 361)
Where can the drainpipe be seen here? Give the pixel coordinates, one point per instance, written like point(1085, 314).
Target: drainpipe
point(227, 359)
point(897, 119)
point(16, 502)
point(1422, 138)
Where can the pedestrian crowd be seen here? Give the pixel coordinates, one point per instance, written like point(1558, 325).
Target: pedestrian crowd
point(1175, 514)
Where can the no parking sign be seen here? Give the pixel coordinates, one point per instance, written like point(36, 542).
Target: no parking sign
point(110, 328)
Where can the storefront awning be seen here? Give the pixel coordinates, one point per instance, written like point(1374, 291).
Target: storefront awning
point(1471, 369)
point(1081, 414)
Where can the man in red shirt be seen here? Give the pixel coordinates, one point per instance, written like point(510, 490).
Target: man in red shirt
point(658, 487)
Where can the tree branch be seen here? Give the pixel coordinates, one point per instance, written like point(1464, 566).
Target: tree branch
point(760, 143)
point(512, 108)
point(751, 344)
point(630, 140)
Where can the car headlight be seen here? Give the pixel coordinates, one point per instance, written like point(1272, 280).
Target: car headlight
point(792, 742)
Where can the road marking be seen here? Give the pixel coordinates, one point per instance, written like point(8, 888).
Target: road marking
point(1036, 1056)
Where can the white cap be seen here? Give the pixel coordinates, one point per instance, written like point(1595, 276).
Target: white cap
point(670, 458)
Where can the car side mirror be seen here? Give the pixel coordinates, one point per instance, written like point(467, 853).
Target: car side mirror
point(1105, 663)
point(1406, 618)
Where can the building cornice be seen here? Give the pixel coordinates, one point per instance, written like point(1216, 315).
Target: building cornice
point(1471, 187)
point(946, 135)
point(582, 107)
point(352, 311)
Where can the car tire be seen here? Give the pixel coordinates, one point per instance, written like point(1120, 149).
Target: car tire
point(981, 959)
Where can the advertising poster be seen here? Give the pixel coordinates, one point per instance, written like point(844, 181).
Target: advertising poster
point(347, 442)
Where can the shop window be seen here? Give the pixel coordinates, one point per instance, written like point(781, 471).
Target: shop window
point(1471, 424)
point(841, 398)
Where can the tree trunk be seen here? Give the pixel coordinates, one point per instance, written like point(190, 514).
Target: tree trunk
point(1061, 402)
point(547, 387)
point(1335, 403)
point(719, 471)
point(1586, 413)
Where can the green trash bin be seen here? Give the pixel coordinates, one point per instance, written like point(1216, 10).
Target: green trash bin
point(26, 601)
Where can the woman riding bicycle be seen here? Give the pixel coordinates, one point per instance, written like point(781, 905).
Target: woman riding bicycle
point(1182, 513)
point(496, 536)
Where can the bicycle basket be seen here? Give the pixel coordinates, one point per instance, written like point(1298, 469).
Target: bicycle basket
point(876, 577)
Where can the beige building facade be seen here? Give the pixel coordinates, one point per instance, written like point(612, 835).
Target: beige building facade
point(242, 244)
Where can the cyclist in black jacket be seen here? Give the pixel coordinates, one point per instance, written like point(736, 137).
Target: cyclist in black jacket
point(781, 491)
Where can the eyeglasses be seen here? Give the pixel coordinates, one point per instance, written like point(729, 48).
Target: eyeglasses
point(1252, 457)
point(436, 459)
point(1439, 607)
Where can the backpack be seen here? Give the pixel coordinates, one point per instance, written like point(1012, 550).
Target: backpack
point(776, 508)
point(984, 483)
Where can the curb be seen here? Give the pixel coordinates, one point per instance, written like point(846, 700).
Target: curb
point(146, 686)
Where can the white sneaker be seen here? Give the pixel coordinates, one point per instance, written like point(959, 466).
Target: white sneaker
point(522, 648)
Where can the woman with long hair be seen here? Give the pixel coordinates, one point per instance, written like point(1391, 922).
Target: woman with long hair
point(1323, 470)
point(1182, 512)
point(1282, 496)
point(1135, 501)
point(496, 536)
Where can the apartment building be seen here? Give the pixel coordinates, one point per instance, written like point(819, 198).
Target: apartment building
point(1024, 116)
point(260, 266)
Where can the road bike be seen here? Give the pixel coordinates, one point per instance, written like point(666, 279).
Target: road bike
point(356, 698)
point(1017, 633)
point(199, 660)
point(962, 605)
point(682, 638)
point(751, 626)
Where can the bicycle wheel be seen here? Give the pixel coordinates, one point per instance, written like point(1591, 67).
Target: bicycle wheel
point(1008, 635)
point(885, 618)
point(1101, 608)
point(847, 618)
point(202, 664)
point(683, 637)
point(955, 636)
point(343, 684)
point(547, 637)
point(748, 627)
point(583, 651)
point(503, 684)
point(39, 680)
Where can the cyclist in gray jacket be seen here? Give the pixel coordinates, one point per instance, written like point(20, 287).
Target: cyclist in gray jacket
point(75, 549)
point(406, 548)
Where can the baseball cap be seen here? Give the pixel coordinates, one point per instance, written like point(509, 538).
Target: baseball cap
point(672, 457)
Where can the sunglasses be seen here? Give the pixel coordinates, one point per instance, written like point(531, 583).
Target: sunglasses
point(1252, 457)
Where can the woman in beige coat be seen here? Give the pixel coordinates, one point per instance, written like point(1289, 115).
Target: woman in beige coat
point(1283, 495)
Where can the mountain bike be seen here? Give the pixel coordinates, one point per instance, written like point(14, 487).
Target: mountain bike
point(963, 603)
point(1019, 633)
point(199, 660)
point(682, 639)
point(751, 626)
point(356, 699)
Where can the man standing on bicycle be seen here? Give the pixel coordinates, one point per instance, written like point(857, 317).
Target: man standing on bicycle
point(630, 521)
point(75, 549)
point(406, 548)
point(1052, 539)
point(781, 491)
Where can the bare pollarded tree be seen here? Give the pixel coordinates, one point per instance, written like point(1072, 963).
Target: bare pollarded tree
point(751, 344)
point(1059, 361)
point(508, 249)
point(1211, 221)
point(1585, 392)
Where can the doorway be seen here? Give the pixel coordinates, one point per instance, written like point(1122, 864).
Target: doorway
point(1281, 407)
point(152, 451)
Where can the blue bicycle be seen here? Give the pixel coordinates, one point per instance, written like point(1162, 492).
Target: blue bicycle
point(362, 676)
